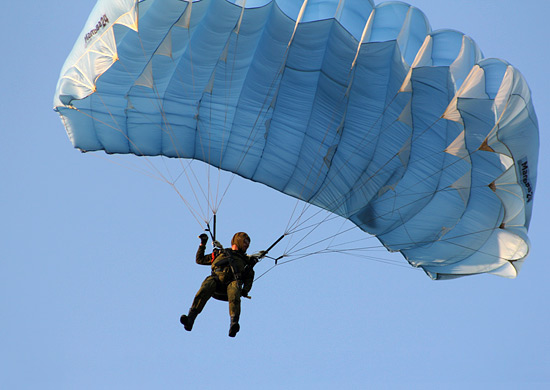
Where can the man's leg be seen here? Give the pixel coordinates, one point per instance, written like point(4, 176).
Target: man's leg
point(234, 298)
point(203, 295)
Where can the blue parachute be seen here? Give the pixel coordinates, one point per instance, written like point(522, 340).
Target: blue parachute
point(359, 109)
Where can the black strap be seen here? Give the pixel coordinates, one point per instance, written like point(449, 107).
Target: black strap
point(275, 243)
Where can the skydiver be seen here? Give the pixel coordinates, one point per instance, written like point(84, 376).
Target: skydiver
point(232, 277)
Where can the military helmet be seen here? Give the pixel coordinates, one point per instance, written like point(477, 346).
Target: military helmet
point(239, 239)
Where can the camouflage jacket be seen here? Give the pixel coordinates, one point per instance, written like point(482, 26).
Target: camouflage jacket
point(229, 265)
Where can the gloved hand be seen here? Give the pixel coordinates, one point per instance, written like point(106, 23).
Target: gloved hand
point(256, 257)
point(217, 244)
point(204, 238)
point(245, 295)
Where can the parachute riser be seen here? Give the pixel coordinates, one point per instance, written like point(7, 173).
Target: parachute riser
point(211, 231)
point(263, 254)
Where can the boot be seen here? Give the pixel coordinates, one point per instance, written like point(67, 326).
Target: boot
point(234, 327)
point(189, 319)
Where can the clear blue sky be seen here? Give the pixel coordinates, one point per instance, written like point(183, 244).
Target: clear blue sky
point(97, 261)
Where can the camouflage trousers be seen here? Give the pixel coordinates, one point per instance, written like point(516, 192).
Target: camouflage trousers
point(209, 287)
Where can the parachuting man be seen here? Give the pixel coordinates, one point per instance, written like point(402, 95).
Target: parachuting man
point(232, 277)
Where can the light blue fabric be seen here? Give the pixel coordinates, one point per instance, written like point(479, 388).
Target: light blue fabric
point(361, 110)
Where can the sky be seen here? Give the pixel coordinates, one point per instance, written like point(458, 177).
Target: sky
point(97, 261)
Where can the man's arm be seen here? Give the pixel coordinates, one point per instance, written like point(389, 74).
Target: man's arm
point(200, 257)
point(248, 280)
point(248, 275)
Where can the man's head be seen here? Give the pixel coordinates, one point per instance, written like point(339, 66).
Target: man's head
point(240, 241)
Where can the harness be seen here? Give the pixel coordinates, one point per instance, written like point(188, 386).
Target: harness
point(224, 264)
point(221, 267)
point(215, 254)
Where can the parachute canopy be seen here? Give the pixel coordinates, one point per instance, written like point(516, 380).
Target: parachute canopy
point(359, 109)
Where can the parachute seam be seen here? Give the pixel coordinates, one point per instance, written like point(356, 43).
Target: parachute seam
point(344, 198)
point(307, 134)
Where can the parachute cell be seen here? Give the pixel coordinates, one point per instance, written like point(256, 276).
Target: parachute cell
point(359, 109)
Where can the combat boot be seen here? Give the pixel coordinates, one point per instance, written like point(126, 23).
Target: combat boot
point(234, 327)
point(189, 319)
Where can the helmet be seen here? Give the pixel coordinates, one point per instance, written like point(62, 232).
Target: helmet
point(239, 239)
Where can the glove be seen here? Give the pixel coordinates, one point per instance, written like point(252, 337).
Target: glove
point(204, 238)
point(256, 257)
point(217, 244)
